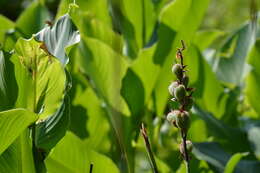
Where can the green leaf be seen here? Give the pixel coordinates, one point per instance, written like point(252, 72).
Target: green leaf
point(40, 77)
point(188, 19)
point(6, 24)
point(58, 37)
point(90, 26)
point(99, 8)
point(136, 25)
point(231, 64)
point(32, 19)
point(253, 134)
point(18, 158)
point(50, 131)
point(205, 81)
point(12, 124)
point(217, 157)
point(97, 137)
point(204, 38)
point(8, 86)
point(106, 68)
point(140, 79)
point(224, 132)
point(252, 83)
point(233, 161)
point(71, 156)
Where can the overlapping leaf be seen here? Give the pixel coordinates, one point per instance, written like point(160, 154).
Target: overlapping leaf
point(50, 131)
point(59, 36)
point(71, 156)
point(12, 124)
point(40, 78)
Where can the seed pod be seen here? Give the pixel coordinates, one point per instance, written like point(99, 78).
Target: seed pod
point(185, 80)
point(183, 120)
point(172, 87)
point(177, 70)
point(188, 103)
point(180, 92)
point(171, 116)
point(189, 147)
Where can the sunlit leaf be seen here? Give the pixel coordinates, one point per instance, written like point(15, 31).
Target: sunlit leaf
point(71, 156)
point(18, 158)
point(12, 124)
point(40, 78)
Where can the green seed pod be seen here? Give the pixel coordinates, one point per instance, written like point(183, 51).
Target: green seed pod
point(172, 87)
point(171, 116)
point(177, 70)
point(185, 80)
point(183, 120)
point(189, 147)
point(188, 103)
point(180, 92)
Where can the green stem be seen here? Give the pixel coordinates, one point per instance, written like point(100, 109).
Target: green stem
point(91, 168)
point(186, 154)
point(149, 150)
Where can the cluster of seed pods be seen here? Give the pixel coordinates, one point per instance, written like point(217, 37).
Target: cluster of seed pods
point(182, 94)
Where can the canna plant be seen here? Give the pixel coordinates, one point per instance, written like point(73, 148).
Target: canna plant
point(182, 94)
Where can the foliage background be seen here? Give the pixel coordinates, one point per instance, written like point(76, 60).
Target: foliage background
point(90, 110)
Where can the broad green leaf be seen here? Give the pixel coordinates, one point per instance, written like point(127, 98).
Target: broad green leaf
point(8, 86)
point(32, 19)
point(18, 158)
point(231, 65)
point(11, 36)
point(252, 83)
point(217, 157)
point(71, 156)
point(140, 79)
point(162, 166)
point(233, 161)
point(12, 124)
point(50, 131)
point(106, 68)
point(177, 20)
point(6, 25)
point(61, 35)
point(223, 132)
point(95, 115)
point(40, 77)
point(253, 134)
point(204, 38)
point(99, 8)
point(90, 26)
point(205, 82)
point(136, 21)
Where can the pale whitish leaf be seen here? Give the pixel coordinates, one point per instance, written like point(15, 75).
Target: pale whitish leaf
point(58, 37)
point(230, 65)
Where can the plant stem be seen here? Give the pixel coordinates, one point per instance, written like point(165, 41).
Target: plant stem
point(186, 154)
point(91, 167)
point(148, 149)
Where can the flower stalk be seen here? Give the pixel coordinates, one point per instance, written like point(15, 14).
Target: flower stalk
point(149, 149)
point(182, 94)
